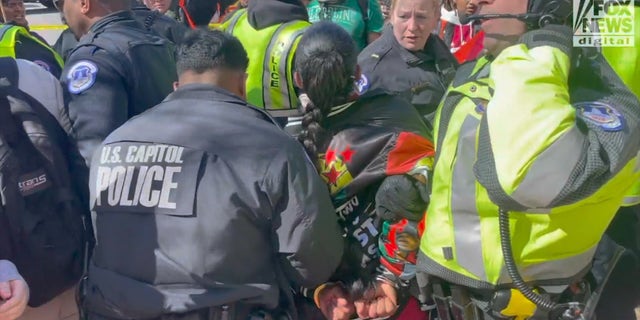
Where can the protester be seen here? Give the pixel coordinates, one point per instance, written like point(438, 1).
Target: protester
point(14, 291)
point(463, 37)
point(372, 152)
point(362, 19)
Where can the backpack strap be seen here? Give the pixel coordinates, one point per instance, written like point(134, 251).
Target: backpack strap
point(8, 80)
point(9, 227)
point(12, 131)
point(9, 70)
point(233, 20)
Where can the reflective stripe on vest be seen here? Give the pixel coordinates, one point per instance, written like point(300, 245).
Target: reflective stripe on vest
point(461, 243)
point(8, 35)
point(633, 197)
point(234, 19)
point(271, 52)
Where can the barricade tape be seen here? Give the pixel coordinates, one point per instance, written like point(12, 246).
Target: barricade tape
point(48, 27)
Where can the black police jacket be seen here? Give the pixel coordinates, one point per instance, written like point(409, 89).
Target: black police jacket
point(422, 77)
point(117, 70)
point(155, 21)
point(203, 201)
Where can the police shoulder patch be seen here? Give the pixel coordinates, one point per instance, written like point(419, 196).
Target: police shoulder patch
point(81, 76)
point(362, 84)
point(601, 115)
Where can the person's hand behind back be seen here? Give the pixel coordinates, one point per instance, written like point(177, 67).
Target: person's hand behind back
point(14, 295)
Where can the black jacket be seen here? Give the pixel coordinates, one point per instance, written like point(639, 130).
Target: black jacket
point(377, 136)
point(234, 199)
point(422, 77)
point(116, 71)
point(265, 13)
point(153, 21)
point(166, 27)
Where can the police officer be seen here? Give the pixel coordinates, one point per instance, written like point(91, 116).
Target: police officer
point(13, 11)
point(210, 209)
point(116, 71)
point(153, 21)
point(536, 146)
point(408, 58)
point(17, 41)
point(271, 31)
point(622, 296)
point(372, 152)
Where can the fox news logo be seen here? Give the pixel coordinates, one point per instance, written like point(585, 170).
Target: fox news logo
point(603, 23)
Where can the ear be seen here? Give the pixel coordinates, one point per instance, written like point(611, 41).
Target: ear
point(85, 6)
point(176, 84)
point(297, 79)
point(242, 85)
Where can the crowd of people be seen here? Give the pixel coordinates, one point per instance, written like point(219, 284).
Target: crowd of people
point(323, 159)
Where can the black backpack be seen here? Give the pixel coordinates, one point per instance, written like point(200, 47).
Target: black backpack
point(42, 217)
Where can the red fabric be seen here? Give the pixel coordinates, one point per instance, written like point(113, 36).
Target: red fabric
point(183, 6)
point(471, 49)
point(229, 10)
point(409, 149)
point(461, 35)
point(412, 311)
point(465, 45)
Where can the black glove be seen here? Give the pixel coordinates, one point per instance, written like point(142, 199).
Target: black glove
point(401, 196)
point(555, 35)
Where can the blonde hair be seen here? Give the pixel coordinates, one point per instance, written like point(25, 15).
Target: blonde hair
point(436, 4)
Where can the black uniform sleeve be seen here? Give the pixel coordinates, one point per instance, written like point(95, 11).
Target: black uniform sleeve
point(98, 97)
point(307, 235)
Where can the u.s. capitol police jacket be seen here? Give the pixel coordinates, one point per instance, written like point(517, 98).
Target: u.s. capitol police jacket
point(202, 201)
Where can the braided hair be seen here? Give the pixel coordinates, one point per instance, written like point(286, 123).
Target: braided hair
point(326, 61)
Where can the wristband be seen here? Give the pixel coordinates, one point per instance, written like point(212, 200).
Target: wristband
point(316, 293)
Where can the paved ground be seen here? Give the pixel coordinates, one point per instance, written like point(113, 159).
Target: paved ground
point(44, 21)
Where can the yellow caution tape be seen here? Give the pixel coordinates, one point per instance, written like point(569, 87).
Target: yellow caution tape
point(48, 27)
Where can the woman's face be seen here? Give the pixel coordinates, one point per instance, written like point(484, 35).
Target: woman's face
point(413, 21)
point(160, 5)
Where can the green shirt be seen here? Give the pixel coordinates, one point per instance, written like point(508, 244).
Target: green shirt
point(349, 16)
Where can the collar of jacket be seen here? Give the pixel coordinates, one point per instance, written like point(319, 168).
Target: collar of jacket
point(123, 15)
point(411, 58)
point(265, 13)
point(340, 109)
point(211, 93)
